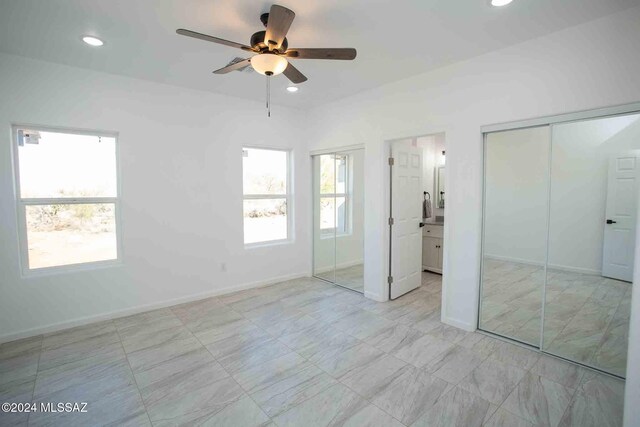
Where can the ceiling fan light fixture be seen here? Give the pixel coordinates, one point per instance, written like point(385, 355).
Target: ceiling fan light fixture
point(269, 64)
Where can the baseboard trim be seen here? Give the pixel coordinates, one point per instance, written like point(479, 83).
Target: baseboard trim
point(458, 324)
point(67, 324)
point(374, 297)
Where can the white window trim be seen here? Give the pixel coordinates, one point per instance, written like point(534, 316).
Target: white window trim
point(21, 205)
point(288, 196)
point(330, 233)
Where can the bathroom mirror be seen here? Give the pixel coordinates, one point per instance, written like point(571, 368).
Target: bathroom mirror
point(440, 187)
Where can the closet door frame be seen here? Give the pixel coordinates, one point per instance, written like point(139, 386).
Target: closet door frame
point(312, 155)
point(550, 121)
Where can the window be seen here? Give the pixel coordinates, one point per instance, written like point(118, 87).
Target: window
point(334, 194)
point(67, 190)
point(267, 198)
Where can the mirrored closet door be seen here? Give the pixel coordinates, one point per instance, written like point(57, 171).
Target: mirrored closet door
point(559, 237)
point(338, 218)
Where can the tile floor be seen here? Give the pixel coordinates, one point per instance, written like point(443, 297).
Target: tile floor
point(299, 353)
point(586, 316)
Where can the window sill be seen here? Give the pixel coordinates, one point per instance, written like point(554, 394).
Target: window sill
point(267, 244)
point(70, 268)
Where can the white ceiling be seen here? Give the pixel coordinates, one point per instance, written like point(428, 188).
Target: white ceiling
point(394, 39)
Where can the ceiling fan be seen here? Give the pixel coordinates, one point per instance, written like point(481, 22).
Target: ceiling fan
point(271, 48)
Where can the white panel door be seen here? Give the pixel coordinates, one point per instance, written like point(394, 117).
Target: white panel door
point(620, 221)
point(406, 200)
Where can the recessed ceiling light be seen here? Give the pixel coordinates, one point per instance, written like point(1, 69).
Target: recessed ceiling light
point(499, 3)
point(92, 41)
point(292, 88)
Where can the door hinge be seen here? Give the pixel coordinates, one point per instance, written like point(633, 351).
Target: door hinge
point(391, 221)
point(391, 161)
point(390, 279)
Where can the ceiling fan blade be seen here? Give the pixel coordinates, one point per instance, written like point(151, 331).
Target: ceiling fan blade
point(346, 53)
point(208, 38)
point(232, 67)
point(293, 74)
point(279, 22)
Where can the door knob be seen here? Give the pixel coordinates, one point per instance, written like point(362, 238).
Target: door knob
point(611, 222)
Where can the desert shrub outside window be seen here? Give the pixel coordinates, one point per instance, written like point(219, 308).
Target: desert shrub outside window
point(67, 198)
point(266, 195)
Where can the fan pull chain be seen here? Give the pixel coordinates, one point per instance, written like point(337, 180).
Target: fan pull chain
point(268, 96)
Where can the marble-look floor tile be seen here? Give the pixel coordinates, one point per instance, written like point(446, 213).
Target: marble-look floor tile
point(457, 408)
point(493, 380)
point(270, 372)
point(419, 350)
point(109, 391)
point(362, 324)
point(228, 330)
point(149, 357)
point(480, 344)
point(352, 359)
point(448, 333)
point(335, 406)
point(17, 391)
point(292, 388)
point(85, 342)
point(503, 418)
point(539, 400)
point(298, 323)
point(598, 402)
point(454, 364)
point(369, 379)
point(134, 341)
point(319, 342)
point(185, 372)
point(219, 403)
point(394, 337)
point(249, 355)
point(428, 322)
point(331, 313)
point(515, 355)
point(409, 393)
point(554, 369)
point(75, 374)
point(19, 359)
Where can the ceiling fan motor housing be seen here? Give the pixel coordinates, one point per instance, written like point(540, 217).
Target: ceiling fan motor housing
point(258, 42)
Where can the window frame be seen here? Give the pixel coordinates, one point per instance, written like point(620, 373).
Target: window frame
point(22, 203)
point(329, 233)
point(288, 196)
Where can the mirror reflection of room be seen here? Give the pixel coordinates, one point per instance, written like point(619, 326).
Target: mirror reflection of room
point(559, 237)
point(339, 218)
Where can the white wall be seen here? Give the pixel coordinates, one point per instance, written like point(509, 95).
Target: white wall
point(516, 195)
point(180, 158)
point(348, 249)
point(584, 67)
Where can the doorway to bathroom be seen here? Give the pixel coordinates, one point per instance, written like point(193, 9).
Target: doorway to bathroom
point(417, 200)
